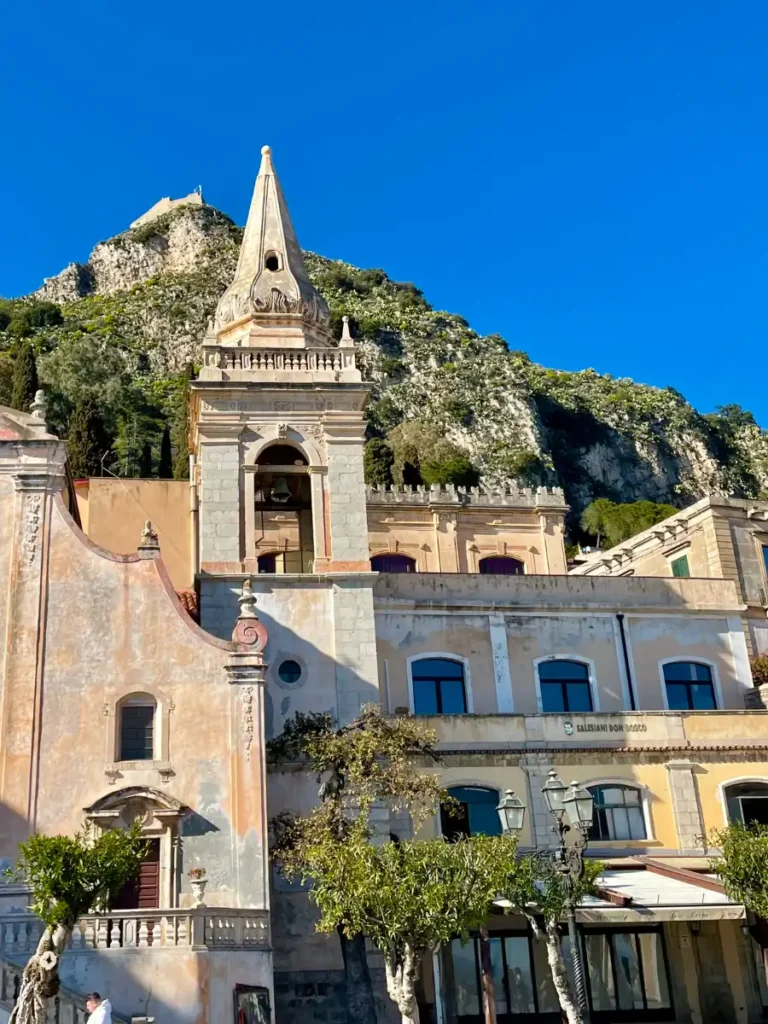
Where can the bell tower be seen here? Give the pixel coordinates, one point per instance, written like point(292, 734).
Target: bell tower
point(278, 439)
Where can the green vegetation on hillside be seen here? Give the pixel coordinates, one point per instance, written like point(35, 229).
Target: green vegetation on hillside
point(448, 406)
point(611, 522)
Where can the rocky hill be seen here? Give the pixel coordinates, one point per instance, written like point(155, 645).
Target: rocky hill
point(122, 328)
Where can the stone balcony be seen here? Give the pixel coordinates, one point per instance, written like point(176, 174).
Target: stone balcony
point(658, 730)
point(198, 928)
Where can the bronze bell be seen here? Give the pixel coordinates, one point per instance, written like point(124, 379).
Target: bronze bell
point(281, 492)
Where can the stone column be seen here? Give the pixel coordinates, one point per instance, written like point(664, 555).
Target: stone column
point(246, 672)
point(346, 497)
point(37, 475)
point(354, 634)
point(505, 703)
point(536, 768)
point(220, 502)
point(686, 807)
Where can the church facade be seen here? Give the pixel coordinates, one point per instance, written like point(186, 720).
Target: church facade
point(313, 592)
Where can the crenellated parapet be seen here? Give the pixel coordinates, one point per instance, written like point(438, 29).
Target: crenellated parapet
point(506, 496)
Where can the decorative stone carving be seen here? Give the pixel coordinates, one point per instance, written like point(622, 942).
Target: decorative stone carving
point(249, 633)
point(31, 529)
point(39, 407)
point(247, 700)
point(282, 430)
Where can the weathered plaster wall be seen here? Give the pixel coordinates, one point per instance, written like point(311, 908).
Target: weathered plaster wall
point(324, 623)
point(113, 513)
point(175, 985)
point(113, 628)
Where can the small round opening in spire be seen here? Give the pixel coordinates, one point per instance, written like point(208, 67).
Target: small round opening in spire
point(272, 261)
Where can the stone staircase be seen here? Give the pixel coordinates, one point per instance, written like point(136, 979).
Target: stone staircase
point(66, 1008)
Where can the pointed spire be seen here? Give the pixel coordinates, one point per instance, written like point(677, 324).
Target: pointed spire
point(271, 279)
point(347, 341)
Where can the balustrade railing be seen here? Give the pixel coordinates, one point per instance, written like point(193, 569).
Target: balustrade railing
point(201, 927)
point(269, 360)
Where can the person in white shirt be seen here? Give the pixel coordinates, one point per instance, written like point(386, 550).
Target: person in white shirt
point(99, 1010)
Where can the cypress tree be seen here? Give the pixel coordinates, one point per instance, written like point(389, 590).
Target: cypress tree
point(86, 440)
point(165, 467)
point(25, 382)
point(181, 426)
point(377, 462)
point(145, 460)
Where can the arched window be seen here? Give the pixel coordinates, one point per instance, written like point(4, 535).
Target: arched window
point(618, 813)
point(282, 491)
point(564, 686)
point(474, 814)
point(438, 687)
point(393, 563)
point(747, 803)
point(689, 686)
point(501, 565)
point(137, 728)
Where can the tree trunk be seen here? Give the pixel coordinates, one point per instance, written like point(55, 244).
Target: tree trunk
point(401, 983)
point(489, 996)
point(359, 1001)
point(40, 980)
point(556, 962)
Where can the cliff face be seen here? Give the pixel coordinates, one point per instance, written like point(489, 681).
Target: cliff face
point(133, 316)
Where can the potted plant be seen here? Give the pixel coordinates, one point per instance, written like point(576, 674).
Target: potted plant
point(198, 882)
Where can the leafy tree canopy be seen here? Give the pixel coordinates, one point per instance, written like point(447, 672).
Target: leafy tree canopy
point(743, 866)
point(617, 522)
point(69, 875)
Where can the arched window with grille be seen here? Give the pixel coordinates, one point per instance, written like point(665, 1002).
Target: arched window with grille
point(473, 814)
point(501, 565)
point(137, 728)
point(393, 563)
point(618, 813)
point(564, 686)
point(689, 686)
point(439, 687)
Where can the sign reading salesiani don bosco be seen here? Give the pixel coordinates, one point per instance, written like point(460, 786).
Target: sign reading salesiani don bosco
point(609, 726)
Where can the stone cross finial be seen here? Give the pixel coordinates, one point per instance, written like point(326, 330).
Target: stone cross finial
point(39, 407)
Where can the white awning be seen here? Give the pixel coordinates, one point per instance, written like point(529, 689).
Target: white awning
point(647, 897)
point(656, 897)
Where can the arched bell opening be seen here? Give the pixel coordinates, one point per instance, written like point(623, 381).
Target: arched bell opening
point(284, 538)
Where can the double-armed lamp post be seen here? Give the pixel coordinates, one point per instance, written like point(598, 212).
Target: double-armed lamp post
point(576, 804)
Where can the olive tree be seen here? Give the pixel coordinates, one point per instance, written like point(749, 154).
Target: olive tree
point(407, 897)
point(372, 759)
point(543, 894)
point(68, 876)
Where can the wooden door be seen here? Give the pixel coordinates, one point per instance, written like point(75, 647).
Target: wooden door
point(143, 892)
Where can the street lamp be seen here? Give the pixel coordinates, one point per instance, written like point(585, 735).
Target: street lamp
point(511, 812)
point(554, 793)
point(577, 803)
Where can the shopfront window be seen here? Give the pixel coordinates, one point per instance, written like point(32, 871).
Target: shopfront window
point(627, 977)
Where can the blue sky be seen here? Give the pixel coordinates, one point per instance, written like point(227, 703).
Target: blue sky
point(588, 180)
